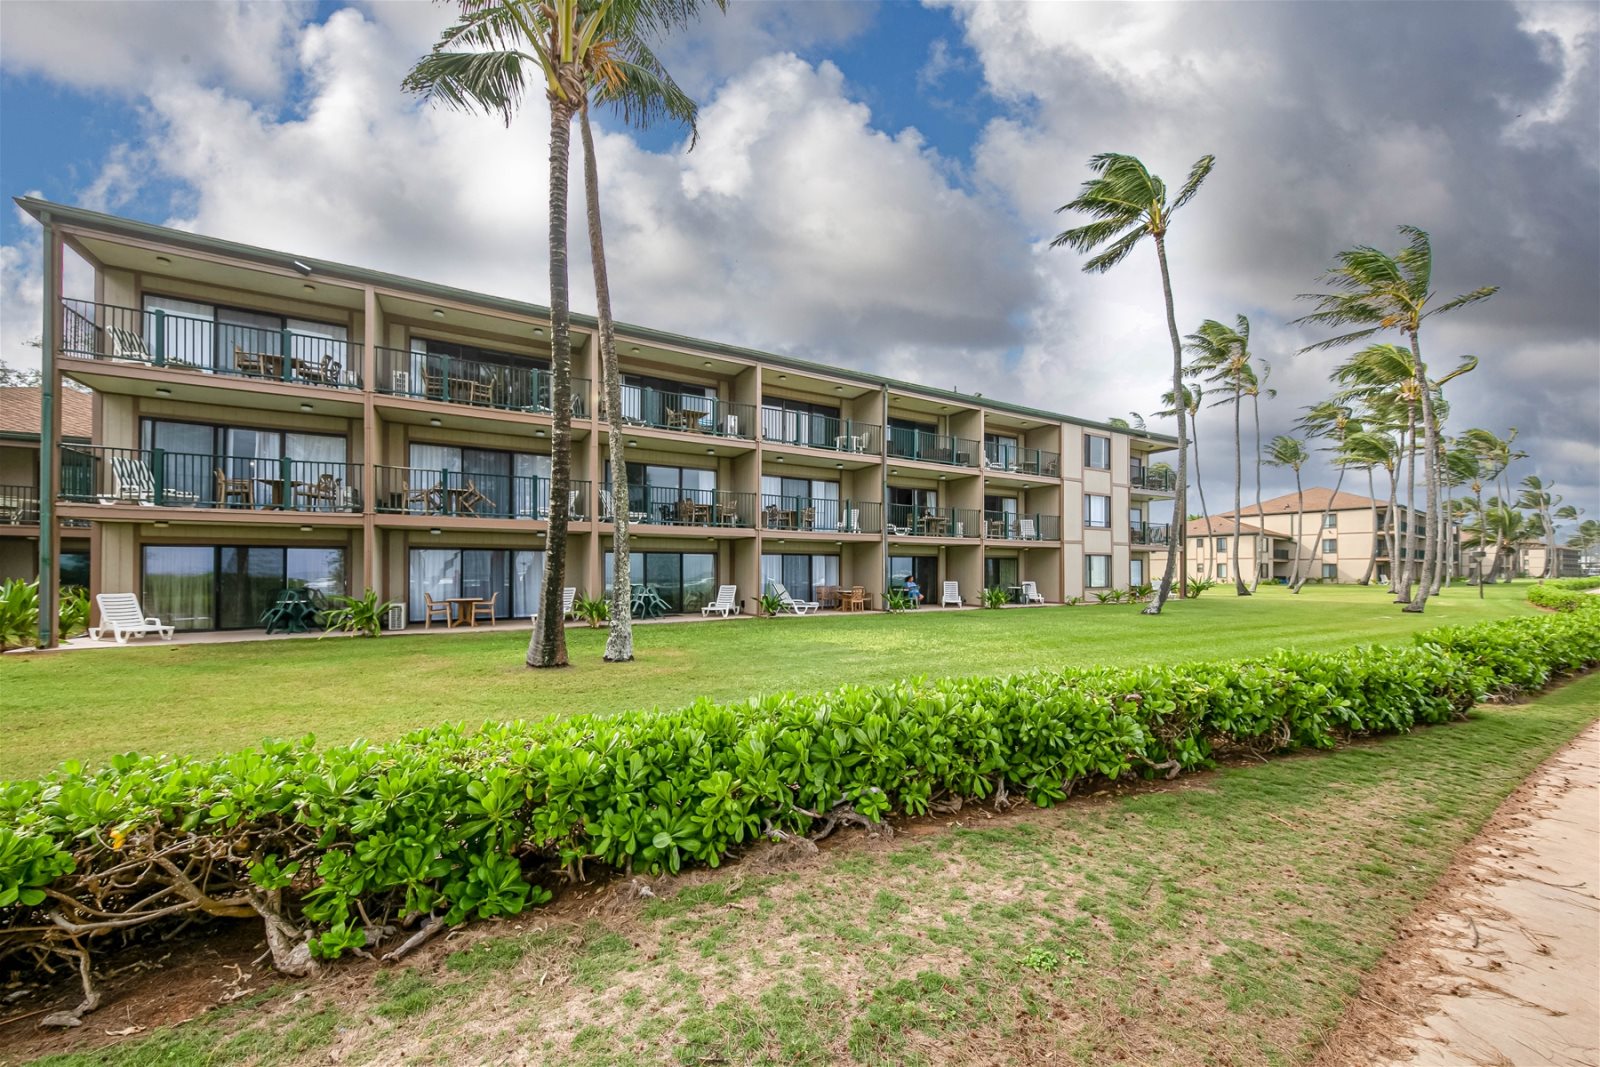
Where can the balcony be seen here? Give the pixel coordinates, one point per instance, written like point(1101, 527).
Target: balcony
point(1149, 533)
point(1153, 479)
point(1009, 526)
point(666, 506)
point(803, 430)
point(686, 413)
point(1011, 459)
point(435, 491)
point(158, 478)
point(473, 382)
point(806, 514)
point(926, 447)
point(19, 505)
point(116, 334)
point(1280, 555)
point(906, 520)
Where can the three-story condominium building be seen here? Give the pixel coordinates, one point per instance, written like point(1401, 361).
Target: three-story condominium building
point(263, 422)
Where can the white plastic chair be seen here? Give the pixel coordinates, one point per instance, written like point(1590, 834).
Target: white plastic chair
point(569, 596)
point(1028, 529)
point(952, 595)
point(121, 614)
point(790, 604)
point(727, 602)
point(133, 482)
point(1030, 593)
point(125, 344)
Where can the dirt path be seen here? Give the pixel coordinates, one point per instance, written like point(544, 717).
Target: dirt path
point(1502, 965)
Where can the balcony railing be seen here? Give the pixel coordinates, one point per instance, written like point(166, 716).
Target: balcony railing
point(667, 506)
point(686, 412)
point(1148, 533)
point(474, 382)
point(438, 491)
point(933, 448)
point(1280, 555)
point(1032, 526)
point(998, 456)
point(908, 521)
point(1152, 480)
point(781, 511)
point(19, 505)
point(163, 339)
point(785, 427)
point(154, 477)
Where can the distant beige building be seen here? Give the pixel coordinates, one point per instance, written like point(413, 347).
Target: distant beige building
point(1529, 560)
point(19, 482)
point(1209, 548)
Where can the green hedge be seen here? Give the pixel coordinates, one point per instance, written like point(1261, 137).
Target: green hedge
point(1564, 594)
point(455, 824)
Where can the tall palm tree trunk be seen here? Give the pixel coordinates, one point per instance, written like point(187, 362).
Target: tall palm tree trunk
point(1401, 586)
point(619, 635)
point(1322, 524)
point(1430, 479)
point(1238, 491)
point(1377, 534)
point(1391, 526)
point(1299, 532)
point(548, 646)
point(1180, 514)
point(1261, 515)
point(1194, 442)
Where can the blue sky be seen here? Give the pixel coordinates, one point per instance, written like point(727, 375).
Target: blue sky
point(809, 221)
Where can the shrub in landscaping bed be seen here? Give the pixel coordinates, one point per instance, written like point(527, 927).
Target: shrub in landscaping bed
point(1564, 594)
point(334, 849)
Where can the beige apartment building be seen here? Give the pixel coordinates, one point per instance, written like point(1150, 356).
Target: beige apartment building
point(1337, 547)
point(1208, 551)
point(19, 483)
point(263, 422)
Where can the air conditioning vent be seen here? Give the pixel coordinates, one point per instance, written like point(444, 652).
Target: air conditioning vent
point(396, 618)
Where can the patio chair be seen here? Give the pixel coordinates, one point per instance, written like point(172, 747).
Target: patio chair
point(1028, 529)
point(431, 608)
point(231, 489)
point(470, 497)
point(1030, 593)
point(134, 483)
point(121, 614)
point(569, 596)
point(324, 372)
point(327, 490)
point(484, 609)
point(727, 509)
point(790, 604)
point(856, 599)
point(608, 503)
point(952, 595)
point(852, 521)
point(125, 344)
point(433, 384)
point(726, 604)
point(430, 497)
point(247, 362)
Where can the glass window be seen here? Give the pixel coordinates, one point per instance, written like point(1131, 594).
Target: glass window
point(510, 578)
point(1222, 570)
point(179, 585)
point(804, 576)
point(1097, 572)
point(1330, 544)
point(1097, 452)
point(925, 569)
point(1330, 571)
point(75, 569)
point(1222, 544)
point(1199, 544)
point(1096, 511)
point(1330, 521)
point(1001, 572)
point(1136, 572)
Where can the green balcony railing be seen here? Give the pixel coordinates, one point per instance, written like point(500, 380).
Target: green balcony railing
point(906, 520)
point(163, 339)
point(1008, 458)
point(1152, 479)
point(440, 491)
point(667, 506)
point(686, 412)
point(784, 511)
point(1024, 526)
point(19, 505)
point(806, 430)
point(1148, 533)
point(155, 477)
point(928, 447)
point(473, 382)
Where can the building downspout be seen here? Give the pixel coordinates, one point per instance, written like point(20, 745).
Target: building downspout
point(49, 439)
point(883, 494)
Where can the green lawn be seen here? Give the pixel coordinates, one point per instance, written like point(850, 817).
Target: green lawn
point(1226, 918)
point(206, 698)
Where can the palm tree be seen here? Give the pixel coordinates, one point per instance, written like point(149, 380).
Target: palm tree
point(1495, 456)
point(1222, 356)
point(1255, 388)
point(1190, 408)
point(1376, 291)
point(1460, 467)
point(1334, 422)
point(1128, 204)
point(1372, 448)
point(1286, 451)
point(484, 63)
point(1539, 497)
point(1383, 378)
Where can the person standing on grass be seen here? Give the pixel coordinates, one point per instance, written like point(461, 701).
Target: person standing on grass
point(913, 592)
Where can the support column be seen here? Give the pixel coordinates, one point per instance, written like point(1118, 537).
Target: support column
point(371, 335)
point(49, 440)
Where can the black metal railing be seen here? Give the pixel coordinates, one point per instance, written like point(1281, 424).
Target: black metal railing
point(474, 382)
point(1025, 526)
point(1152, 479)
point(686, 412)
point(154, 477)
point(999, 456)
point(785, 427)
point(784, 511)
point(440, 491)
point(1148, 533)
point(667, 506)
point(906, 520)
point(19, 505)
point(933, 447)
point(164, 339)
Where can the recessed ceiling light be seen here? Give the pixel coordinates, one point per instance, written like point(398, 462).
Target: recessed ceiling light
point(163, 391)
point(839, 465)
point(435, 422)
point(438, 313)
point(783, 377)
point(538, 433)
point(711, 451)
point(164, 259)
point(305, 407)
point(633, 444)
point(308, 287)
point(780, 459)
point(838, 388)
point(707, 363)
point(538, 331)
point(635, 350)
point(435, 531)
point(305, 529)
point(161, 525)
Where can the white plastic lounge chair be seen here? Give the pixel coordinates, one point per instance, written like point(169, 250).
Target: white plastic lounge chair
point(852, 521)
point(727, 602)
point(121, 614)
point(952, 595)
point(1030, 593)
point(1028, 530)
point(568, 596)
point(125, 344)
point(133, 482)
point(790, 604)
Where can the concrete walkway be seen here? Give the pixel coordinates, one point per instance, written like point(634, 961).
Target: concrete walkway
point(1518, 955)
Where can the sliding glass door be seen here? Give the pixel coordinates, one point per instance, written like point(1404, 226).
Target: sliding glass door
point(685, 581)
point(229, 587)
point(510, 577)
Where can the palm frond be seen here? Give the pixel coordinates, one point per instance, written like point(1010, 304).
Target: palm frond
point(1464, 299)
point(1197, 176)
point(490, 82)
point(1115, 254)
